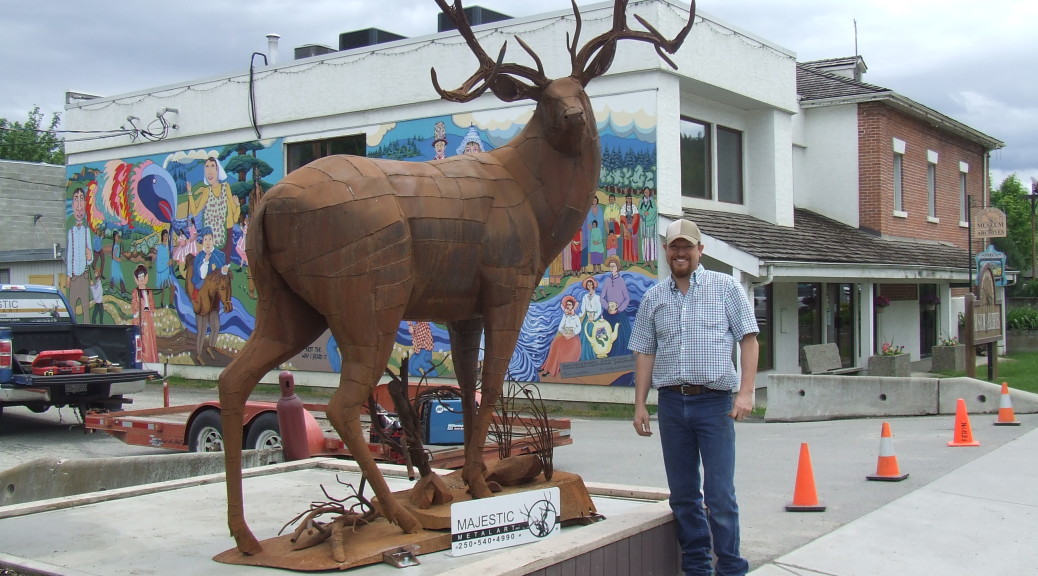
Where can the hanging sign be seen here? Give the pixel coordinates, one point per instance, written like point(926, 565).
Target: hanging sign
point(993, 261)
point(989, 223)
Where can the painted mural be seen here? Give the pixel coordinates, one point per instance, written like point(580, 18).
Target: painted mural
point(158, 241)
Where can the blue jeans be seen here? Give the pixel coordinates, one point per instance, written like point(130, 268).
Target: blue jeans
point(697, 430)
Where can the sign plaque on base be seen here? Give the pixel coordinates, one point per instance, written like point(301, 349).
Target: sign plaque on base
point(502, 521)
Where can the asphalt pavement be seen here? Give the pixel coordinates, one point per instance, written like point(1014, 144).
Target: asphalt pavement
point(962, 510)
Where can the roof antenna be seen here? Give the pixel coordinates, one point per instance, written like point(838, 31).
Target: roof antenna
point(855, 37)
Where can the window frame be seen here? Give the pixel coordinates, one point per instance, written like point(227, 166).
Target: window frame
point(899, 181)
point(355, 144)
point(723, 177)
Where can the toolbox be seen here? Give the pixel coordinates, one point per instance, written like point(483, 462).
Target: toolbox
point(53, 362)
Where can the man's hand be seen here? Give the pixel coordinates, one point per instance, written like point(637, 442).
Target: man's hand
point(741, 407)
point(641, 421)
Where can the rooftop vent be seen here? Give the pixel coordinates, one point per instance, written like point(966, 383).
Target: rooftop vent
point(366, 37)
point(476, 15)
point(311, 50)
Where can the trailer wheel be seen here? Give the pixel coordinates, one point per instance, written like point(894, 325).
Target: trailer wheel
point(206, 433)
point(264, 433)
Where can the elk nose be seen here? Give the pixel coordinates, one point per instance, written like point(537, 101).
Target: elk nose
point(574, 116)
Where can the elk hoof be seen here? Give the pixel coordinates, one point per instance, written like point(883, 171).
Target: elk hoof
point(430, 491)
point(247, 543)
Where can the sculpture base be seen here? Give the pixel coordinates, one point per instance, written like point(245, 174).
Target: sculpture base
point(364, 546)
point(369, 542)
point(576, 502)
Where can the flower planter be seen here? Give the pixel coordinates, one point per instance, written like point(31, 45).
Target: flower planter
point(898, 365)
point(948, 358)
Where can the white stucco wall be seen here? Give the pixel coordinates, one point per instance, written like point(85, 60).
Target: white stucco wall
point(827, 163)
point(341, 92)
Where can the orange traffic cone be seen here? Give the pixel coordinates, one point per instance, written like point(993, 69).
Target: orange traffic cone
point(805, 499)
point(1006, 417)
point(963, 434)
point(886, 467)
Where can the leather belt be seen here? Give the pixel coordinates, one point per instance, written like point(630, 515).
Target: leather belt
point(696, 390)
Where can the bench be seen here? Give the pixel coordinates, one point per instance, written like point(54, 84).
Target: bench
point(824, 359)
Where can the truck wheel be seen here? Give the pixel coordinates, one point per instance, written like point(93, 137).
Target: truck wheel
point(264, 433)
point(206, 433)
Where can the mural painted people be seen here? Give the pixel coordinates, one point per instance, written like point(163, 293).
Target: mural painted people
point(647, 210)
point(439, 141)
point(142, 306)
point(597, 252)
point(80, 254)
point(630, 221)
point(97, 301)
point(684, 334)
point(615, 299)
point(216, 203)
point(207, 262)
point(590, 315)
point(163, 270)
point(421, 363)
point(565, 347)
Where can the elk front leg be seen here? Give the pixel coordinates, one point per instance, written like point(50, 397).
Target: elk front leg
point(500, 344)
point(344, 414)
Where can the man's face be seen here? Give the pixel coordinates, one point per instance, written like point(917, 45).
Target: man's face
point(208, 243)
point(78, 205)
point(683, 257)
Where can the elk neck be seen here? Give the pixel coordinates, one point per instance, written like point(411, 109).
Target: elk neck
point(558, 168)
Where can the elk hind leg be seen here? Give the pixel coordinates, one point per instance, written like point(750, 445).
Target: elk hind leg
point(271, 343)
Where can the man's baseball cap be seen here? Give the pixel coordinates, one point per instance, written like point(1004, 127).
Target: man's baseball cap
point(683, 229)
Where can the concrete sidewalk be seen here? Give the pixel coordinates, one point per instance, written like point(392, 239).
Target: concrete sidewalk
point(978, 519)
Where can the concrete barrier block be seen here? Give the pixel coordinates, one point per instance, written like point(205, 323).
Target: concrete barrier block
point(803, 398)
point(46, 478)
point(982, 397)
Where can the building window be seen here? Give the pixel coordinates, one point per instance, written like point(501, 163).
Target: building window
point(899, 161)
point(5, 275)
point(695, 159)
point(302, 153)
point(729, 165)
point(707, 150)
point(931, 190)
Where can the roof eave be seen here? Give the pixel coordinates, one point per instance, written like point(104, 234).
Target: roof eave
point(914, 109)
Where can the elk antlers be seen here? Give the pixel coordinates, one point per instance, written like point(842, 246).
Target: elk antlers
point(502, 78)
point(603, 46)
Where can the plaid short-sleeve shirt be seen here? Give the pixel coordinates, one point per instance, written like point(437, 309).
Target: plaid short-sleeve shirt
point(693, 334)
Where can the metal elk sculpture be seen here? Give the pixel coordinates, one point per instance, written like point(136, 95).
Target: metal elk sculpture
point(356, 245)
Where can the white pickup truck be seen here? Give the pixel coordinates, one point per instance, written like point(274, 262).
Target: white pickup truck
point(48, 359)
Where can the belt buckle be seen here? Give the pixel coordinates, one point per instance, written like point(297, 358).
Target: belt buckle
point(691, 389)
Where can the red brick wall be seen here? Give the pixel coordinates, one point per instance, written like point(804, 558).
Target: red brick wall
point(878, 125)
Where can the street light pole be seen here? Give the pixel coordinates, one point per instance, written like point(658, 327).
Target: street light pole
point(1033, 197)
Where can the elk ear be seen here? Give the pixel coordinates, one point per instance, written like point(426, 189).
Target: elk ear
point(509, 89)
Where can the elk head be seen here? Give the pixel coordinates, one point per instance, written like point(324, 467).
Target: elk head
point(563, 107)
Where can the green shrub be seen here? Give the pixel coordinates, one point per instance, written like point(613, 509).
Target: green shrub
point(1022, 319)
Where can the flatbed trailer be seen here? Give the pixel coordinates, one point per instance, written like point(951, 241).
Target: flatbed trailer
point(197, 428)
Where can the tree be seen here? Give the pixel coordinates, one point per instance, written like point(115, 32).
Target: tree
point(29, 143)
point(1011, 197)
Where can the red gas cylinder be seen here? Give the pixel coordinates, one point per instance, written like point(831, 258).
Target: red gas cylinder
point(292, 420)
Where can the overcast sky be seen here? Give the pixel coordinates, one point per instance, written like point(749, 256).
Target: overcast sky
point(976, 62)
